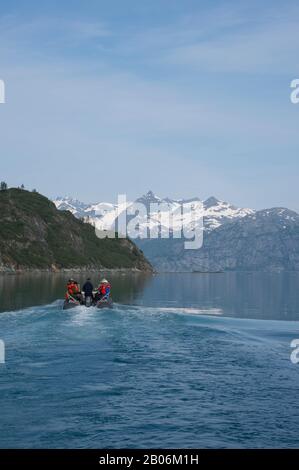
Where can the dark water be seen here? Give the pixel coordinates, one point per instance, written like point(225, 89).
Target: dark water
point(181, 361)
point(242, 295)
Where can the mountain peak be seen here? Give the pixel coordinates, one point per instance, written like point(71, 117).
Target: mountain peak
point(211, 201)
point(149, 197)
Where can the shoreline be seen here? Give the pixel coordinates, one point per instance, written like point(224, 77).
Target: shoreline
point(15, 272)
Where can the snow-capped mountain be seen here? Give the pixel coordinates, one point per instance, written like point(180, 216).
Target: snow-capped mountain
point(77, 208)
point(218, 212)
point(235, 238)
point(164, 212)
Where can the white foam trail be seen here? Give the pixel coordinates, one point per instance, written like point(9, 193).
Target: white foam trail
point(175, 310)
point(81, 315)
point(192, 310)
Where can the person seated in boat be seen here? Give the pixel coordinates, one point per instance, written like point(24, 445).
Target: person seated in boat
point(77, 288)
point(73, 290)
point(88, 288)
point(104, 290)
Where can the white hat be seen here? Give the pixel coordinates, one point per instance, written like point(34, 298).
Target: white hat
point(104, 281)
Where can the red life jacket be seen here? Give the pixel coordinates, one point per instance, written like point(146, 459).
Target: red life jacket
point(69, 288)
point(103, 288)
point(72, 288)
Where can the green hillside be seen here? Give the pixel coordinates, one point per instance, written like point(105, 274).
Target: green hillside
point(36, 235)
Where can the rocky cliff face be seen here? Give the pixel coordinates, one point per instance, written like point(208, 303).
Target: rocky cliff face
point(35, 235)
point(266, 240)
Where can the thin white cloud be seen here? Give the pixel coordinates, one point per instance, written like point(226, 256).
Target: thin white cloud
point(267, 50)
point(126, 104)
point(42, 33)
point(230, 38)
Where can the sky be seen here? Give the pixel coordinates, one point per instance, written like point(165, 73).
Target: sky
point(187, 98)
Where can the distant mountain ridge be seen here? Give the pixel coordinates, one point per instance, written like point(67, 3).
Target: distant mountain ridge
point(234, 238)
point(215, 213)
point(267, 240)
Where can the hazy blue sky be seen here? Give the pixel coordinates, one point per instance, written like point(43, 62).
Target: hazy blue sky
point(184, 97)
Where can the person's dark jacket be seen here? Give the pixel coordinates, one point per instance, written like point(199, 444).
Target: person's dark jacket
point(88, 288)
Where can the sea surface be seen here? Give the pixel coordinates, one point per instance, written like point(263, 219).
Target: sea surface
point(183, 360)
